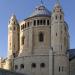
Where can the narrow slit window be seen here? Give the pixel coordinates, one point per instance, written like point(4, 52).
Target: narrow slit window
point(47, 22)
point(59, 68)
point(40, 22)
point(44, 22)
point(34, 22)
point(60, 17)
point(37, 22)
point(56, 17)
point(41, 37)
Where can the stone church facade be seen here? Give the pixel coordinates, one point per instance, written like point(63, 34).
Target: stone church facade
point(38, 45)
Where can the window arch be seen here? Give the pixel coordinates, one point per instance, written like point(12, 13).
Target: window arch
point(41, 37)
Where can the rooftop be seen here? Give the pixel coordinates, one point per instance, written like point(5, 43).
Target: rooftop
point(40, 10)
point(71, 54)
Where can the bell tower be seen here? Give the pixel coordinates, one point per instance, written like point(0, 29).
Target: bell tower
point(57, 21)
point(13, 39)
point(59, 40)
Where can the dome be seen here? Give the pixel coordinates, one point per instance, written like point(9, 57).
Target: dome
point(41, 10)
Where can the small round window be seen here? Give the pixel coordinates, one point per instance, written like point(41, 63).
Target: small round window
point(33, 65)
point(42, 65)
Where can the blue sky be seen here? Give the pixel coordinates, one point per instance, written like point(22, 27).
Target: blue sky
point(23, 9)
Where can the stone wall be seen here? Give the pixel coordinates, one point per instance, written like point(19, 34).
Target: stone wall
point(6, 72)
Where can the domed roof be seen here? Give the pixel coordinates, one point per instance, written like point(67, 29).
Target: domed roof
point(41, 10)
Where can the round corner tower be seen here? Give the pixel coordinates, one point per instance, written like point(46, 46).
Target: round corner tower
point(59, 41)
point(13, 40)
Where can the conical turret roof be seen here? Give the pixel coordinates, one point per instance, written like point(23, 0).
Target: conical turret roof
point(13, 19)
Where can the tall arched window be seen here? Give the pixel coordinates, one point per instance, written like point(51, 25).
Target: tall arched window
point(41, 37)
point(22, 66)
point(16, 67)
point(60, 17)
point(22, 40)
point(56, 17)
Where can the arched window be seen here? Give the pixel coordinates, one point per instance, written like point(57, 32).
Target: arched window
point(16, 67)
point(33, 65)
point(22, 40)
point(40, 22)
point(22, 66)
point(60, 17)
point(28, 24)
point(42, 65)
point(59, 68)
point(47, 22)
point(56, 34)
point(14, 55)
point(25, 25)
point(44, 22)
point(56, 17)
point(41, 37)
point(34, 22)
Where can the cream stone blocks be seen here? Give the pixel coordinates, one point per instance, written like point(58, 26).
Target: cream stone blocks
point(72, 67)
point(38, 45)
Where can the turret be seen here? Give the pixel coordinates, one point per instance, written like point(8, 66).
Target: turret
point(59, 40)
point(59, 29)
point(13, 37)
point(57, 13)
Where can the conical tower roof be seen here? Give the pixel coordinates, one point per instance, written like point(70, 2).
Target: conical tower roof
point(57, 4)
point(13, 20)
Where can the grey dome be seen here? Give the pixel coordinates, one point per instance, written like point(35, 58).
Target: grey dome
point(41, 10)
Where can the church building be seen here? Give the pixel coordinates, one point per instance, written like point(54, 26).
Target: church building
point(39, 44)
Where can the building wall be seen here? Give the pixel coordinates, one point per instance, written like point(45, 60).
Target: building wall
point(31, 37)
point(34, 51)
point(27, 61)
point(46, 56)
point(6, 72)
point(72, 67)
